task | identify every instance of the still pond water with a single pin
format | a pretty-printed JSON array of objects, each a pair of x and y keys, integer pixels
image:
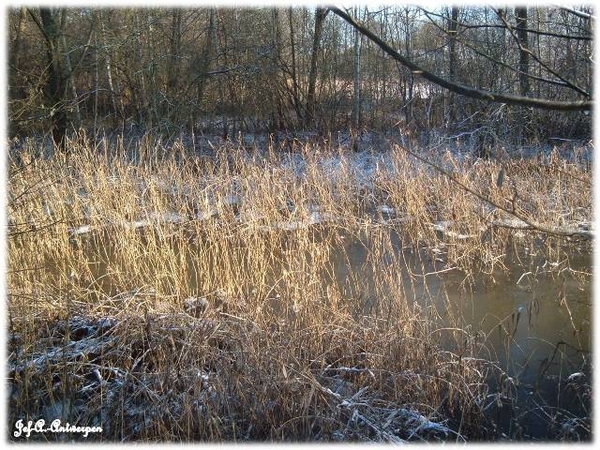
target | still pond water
[{"x": 535, "y": 321}]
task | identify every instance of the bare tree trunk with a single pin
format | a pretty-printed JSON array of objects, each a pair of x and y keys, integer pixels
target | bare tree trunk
[
  {"x": 16, "y": 44},
  {"x": 55, "y": 86},
  {"x": 521, "y": 16},
  {"x": 206, "y": 56},
  {"x": 295, "y": 87},
  {"x": 356, "y": 113},
  {"x": 144, "y": 107},
  {"x": 96, "y": 72},
  {"x": 216, "y": 51},
  {"x": 109, "y": 76},
  {"x": 277, "y": 118},
  {"x": 173, "y": 70},
  {"x": 452, "y": 31},
  {"x": 521, "y": 19},
  {"x": 76, "y": 120},
  {"x": 410, "y": 79},
  {"x": 152, "y": 86},
  {"x": 15, "y": 91},
  {"x": 320, "y": 15}
]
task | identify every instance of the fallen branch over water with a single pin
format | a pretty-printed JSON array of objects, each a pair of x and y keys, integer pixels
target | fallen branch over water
[{"x": 526, "y": 223}]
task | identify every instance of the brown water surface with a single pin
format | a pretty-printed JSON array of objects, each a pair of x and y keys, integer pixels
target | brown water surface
[{"x": 534, "y": 318}]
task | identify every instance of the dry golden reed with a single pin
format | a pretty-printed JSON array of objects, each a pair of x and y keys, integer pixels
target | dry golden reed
[{"x": 169, "y": 296}]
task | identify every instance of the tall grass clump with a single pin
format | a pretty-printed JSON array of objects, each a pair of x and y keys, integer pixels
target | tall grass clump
[{"x": 170, "y": 296}]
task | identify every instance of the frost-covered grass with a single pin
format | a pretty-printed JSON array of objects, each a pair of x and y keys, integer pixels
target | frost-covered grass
[{"x": 186, "y": 298}]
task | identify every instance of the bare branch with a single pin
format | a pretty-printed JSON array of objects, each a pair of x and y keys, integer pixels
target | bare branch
[
  {"x": 577, "y": 13},
  {"x": 466, "y": 25},
  {"x": 527, "y": 222},
  {"x": 581, "y": 105},
  {"x": 490, "y": 58},
  {"x": 541, "y": 63}
]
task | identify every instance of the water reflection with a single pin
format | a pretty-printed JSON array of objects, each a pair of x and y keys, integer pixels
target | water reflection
[
  {"x": 536, "y": 327},
  {"x": 534, "y": 323}
]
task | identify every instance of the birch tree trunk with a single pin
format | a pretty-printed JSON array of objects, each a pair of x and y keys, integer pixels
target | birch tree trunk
[
  {"x": 68, "y": 72},
  {"x": 453, "y": 60},
  {"x": 118, "y": 112},
  {"x": 356, "y": 111}
]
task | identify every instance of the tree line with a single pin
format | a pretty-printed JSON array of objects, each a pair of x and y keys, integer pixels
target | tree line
[{"x": 518, "y": 73}]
